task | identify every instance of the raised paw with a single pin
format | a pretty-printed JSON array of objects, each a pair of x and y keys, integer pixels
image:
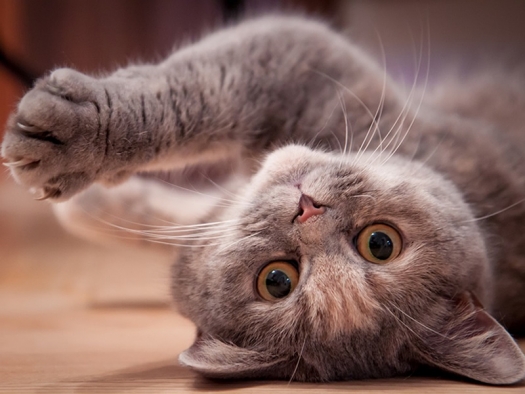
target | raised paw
[{"x": 55, "y": 142}]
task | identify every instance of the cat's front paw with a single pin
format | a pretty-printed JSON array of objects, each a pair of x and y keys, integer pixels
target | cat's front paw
[{"x": 55, "y": 143}]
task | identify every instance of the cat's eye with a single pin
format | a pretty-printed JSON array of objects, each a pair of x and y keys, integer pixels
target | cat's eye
[
  {"x": 277, "y": 280},
  {"x": 379, "y": 243}
]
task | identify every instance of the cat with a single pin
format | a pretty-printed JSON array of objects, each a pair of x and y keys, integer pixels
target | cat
[{"x": 358, "y": 231}]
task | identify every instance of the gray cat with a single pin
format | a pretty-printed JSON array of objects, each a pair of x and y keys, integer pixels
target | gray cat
[{"x": 367, "y": 224}]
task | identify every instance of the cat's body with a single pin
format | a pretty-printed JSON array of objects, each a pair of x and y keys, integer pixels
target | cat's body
[{"x": 433, "y": 177}]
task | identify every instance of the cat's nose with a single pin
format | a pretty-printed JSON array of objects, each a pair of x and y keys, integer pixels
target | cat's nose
[{"x": 308, "y": 208}]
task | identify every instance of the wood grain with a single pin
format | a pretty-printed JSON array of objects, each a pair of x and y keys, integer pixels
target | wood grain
[{"x": 82, "y": 318}]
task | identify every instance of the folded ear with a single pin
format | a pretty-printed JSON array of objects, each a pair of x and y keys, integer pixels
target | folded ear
[
  {"x": 472, "y": 343},
  {"x": 215, "y": 359}
]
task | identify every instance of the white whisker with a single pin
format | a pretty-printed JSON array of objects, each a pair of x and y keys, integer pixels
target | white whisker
[
  {"x": 298, "y": 360},
  {"x": 418, "y": 322},
  {"x": 425, "y": 85},
  {"x": 494, "y": 213}
]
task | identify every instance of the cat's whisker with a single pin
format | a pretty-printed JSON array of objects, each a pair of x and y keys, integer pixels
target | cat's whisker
[
  {"x": 411, "y": 160},
  {"x": 221, "y": 199},
  {"x": 404, "y": 110},
  {"x": 425, "y": 85},
  {"x": 187, "y": 237},
  {"x": 163, "y": 236},
  {"x": 314, "y": 138},
  {"x": 402, "y": 323},
  {"x": 379, "y": 111},
  {"x": 240, "y": 240},
  {"x": 399, "y": 122},
  {"x": 355, "y": 96},
  {"x": 115, "y": 231},
  {"x": 237, "y": 197},
  {"x": 172, "y": 227},
  {"x": 182, "y": 231},
  {"x": 422, "y": 163},
  {"x": 179, "y": 245},
  {"x": 395, "y": 129},
  {"x": 298, "y": 360},
  {"x": 417, "y": 321},
  {"x": 338, "y": 142},
  {"x": 343, "y": 109},
  {"x": 494, "y": 213},
  {"x": 198, "y": 230}
]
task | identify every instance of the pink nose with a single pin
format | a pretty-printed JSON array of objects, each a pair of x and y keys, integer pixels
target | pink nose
[{"x": 308, "y": 208}]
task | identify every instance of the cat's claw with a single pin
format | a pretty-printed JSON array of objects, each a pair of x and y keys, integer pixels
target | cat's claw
[
  {"x": 51, "y": 143},
  {"x": 19, "y": 163},
  {"x": 46, "y": 193},
  {"x": 27, "y": 128}
]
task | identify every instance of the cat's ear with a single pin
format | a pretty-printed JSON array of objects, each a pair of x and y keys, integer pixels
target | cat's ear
[
  {"x": 472, "y": 343},
  {"x": 215, "y": 359}
]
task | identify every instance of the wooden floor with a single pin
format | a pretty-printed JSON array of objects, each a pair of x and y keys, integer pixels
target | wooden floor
[{"x": 81, "y": 318}]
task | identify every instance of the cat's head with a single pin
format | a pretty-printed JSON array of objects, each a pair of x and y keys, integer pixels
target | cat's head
[{"x": 344, "y": 267}]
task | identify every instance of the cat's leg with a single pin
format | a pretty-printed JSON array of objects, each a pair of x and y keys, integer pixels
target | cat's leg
[{"x": 235, "y": 93}]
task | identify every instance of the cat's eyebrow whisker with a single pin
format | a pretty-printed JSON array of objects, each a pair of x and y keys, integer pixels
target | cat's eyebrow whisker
[
  {"x": 338, "y": 142},
  {"x": 343, "y": 109},
  {"x": 355, "y": 96},
  {"x": 395, "y": 128},
  {"x": 494, "y": 213},
  {"x": 400, "y": 120},
  {"x": 406, "y": 107},
  {"x": 422, "y": 163},
  {"x": 380, "y": 107},
  {"x": 311, "y": 141},
  {"x": 417, "y": 148},
  {"x": 425, "y": 85}
]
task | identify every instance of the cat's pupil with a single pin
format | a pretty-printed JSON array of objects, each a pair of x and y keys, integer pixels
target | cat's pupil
[
  {"x": 278, "y": 283},
  {"x": 380, "y": 245}
]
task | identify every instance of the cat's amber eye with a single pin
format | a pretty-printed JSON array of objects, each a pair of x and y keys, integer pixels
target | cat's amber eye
[
  {"x": 379, "y": 243},
  {"x": 277, "y": 280}
]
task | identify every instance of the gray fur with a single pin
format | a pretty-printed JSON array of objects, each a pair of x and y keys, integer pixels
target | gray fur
[{"x": 257, "y": 95}]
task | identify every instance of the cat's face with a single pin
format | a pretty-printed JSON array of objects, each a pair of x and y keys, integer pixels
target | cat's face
[{"x": 365, "y": 287}]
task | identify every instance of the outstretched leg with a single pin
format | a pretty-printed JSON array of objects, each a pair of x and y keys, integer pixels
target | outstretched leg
[{"x": 236, "y": 93}]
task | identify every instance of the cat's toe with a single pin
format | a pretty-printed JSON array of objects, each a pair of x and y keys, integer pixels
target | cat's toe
[
  {"x": 73, "y": 85},
  {"x": 51, "y": 143}
]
